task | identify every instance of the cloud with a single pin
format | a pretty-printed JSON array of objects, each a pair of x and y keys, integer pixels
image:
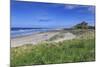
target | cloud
[
  {"x": 87, "y": 8},
  {"x": 44, "y": 20},
  {"x": 70, "y": 6},
  {"x": 91, "y": 9}
]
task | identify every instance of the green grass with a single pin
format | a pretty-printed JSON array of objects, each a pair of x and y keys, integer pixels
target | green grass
[{"x": 76, "y": 50}]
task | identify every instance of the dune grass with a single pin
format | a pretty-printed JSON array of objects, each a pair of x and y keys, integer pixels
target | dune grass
[
  {"x": 57, "y": 36},
  {"x": 76, "y": 50}
]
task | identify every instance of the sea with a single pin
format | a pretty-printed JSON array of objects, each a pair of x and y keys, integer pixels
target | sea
[{"x": 16, "y": 32}]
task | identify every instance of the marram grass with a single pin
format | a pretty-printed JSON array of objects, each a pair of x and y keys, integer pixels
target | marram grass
[{"x": 68, "y": 51}]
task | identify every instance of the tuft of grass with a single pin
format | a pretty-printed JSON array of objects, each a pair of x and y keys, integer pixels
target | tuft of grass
[{"x": 76, "y": 50}]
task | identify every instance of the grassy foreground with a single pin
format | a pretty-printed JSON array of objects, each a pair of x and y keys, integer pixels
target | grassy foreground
[{"x": 76, "y": 50}]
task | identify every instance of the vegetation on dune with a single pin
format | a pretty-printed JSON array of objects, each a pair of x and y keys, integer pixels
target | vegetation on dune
[
  {"x": 57, "y": 36},
  {"x": 76, "y": 50},
  {"x": 81, "y": 49}
]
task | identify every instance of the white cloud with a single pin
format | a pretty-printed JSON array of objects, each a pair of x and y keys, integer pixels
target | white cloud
[
  {"x": 70, "y": 7},
  {"x": 91, "y": 9},
  {"x": 88, "y": 8}
]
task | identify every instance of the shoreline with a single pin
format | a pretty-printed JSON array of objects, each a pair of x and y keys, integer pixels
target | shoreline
[
  {"x": 48, "y": 36},
  {"x": 32, "y": 38},
  {"x": 57, "y": 35},
  {"x": 27, "y": 34}
]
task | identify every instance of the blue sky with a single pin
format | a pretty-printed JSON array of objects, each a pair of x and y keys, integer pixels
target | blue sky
[{"x": 37, "y": 14}]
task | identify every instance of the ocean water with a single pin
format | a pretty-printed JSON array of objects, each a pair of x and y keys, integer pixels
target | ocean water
[{"x": 15, "y": 32}]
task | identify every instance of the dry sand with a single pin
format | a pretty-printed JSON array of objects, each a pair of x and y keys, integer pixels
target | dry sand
[
  {"x": 31, "y": 39},
  {"x": 37, "y": 38}
]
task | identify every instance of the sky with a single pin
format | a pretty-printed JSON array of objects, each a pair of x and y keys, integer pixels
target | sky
[{"x": 50, "y": 15}]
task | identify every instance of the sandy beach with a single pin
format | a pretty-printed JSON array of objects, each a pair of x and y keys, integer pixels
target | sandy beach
[{"x": 39, "y": 37}]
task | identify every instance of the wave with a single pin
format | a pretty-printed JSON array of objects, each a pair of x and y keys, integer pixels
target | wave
[{"x": 22, "y": 32}]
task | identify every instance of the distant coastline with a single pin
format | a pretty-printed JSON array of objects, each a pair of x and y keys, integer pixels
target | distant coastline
[{"x": 25, "y": 28}]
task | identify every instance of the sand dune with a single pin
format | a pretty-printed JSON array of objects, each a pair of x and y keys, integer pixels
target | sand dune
[{"x": 67, "y": 36}]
